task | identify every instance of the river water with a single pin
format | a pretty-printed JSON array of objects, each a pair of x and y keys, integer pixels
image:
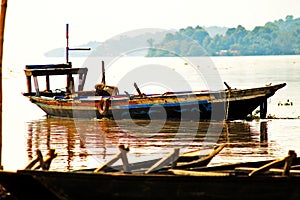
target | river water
[{"x": 85, "y": 143}]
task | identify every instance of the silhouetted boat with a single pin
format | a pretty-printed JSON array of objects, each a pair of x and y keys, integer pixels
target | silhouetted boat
[{"x": 272, "y": 179}]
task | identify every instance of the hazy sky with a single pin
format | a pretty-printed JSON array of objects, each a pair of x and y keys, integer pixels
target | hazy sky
[{"x": 39, "y": 25}]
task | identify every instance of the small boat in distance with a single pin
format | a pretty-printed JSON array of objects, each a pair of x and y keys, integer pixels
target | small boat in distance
[{"x": 105, "y": 101}]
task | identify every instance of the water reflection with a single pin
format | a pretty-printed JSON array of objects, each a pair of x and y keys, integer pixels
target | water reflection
[{"x": 88, "y": 143}]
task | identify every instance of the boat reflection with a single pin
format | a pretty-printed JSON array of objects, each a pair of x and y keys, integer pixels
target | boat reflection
[{"x": 88, "y": 143}]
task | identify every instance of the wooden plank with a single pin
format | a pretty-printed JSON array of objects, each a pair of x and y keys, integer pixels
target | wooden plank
[
  {"x": 55, "y": 71},
  {"x": 288, "y": 163},
  {"x": 121, "y": 155},
  {"x": 202, "y": 161},
  {"x": 197, "y": 173},
  {"x": 49, "y": 66},
  {"x": 126, "y": 167},
  {"x": 38, "y": 158},
  {"x": 275, "y": 171},
  {"x": 2, "y": 25},
  {"x": 109, "y": 163},
  {"x": 36, "y": 85},
  {"x": 45, "y": 163},
  {"x": 171, "y": 158},
  {"x": 270, "y": 165}
]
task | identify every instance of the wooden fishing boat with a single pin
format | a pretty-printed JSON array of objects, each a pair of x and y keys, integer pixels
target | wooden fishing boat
[
  {"x": 273, "y": 179},
  {"x": 21, "y": 186},
  {"x": 105, "y": 101}
]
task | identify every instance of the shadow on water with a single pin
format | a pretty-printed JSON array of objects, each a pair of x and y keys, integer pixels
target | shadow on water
[{"x": 88, "y": 143}]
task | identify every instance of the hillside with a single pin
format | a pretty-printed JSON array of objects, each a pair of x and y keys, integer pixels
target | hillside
[
  {"x": 128, "y": 42},
  {"x": 281, "y": 37},
  {"x": 133, "y": 43}
]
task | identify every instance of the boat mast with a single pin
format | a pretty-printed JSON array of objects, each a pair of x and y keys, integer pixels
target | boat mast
[
  {"x": 70, "y": 81},
  {"x": 2, "y": 23},
  {"x": 67, "y": 47},
  {"x": 71, "y": 49}
]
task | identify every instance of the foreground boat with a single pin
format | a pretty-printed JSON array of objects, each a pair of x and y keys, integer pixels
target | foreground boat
[
  {"x": 105, "y": 101},
  {"x": 22, "y": 186},
  {"x": 274, "y": 179}
]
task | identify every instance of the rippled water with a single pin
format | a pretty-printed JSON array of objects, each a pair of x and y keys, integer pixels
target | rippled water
[{"x": 89, "y": 143}]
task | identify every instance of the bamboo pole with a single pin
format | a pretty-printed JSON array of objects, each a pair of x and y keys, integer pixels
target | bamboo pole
[{"x": 2, "y": 23}]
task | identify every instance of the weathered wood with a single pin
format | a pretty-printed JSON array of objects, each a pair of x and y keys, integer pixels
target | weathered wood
[
  {"x": 67, "y": 40},
  {"x": 47, "y": 83},
  {"x": 187, "y": 185},
  {"x": 45, "y": 163},
  {"x": 171, "y": 158},
  {"x": 273, "y": 164},
  {"x": 2, "y": 25},
  {"x": 139, "y": 106},
  {"x": 48, "y": 160},
  {"x": 266, "y": 167},
  {"x": 120, "y": 155},
  {"x": 29, "y": 88},
  {"x": 67, "y": 46},
  {"x": 55, "y": 71},
  {"x": 38, "y": 158},
  {"x": 82, "y": 78},
  {"x": 202, "y": 161},
  {"x": 288, "y": 163},
  {"x": 264, "y": 109},
  {"x": 109, "y": 163},
  {"x": 48, "y": 66},
  {"x": 263, "y": 131},
  {"x": 228, "y": 87},
  {"x": 272, "y": 171},
  {"x": 137, "y": 89},
  {"x": 197, "y": 173},
  {"x": 103, "y": 73},
  {"x": 36, "y": 85},
  {"x": 126, "y": 167}
]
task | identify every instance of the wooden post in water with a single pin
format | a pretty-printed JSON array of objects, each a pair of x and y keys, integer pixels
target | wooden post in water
[
  {"x": 263, "y": 132},
  {"x": 2, "y": 23},
  {"x": 263, "y": 109}
]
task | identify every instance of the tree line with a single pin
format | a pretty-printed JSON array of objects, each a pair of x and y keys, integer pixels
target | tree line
[{"x": 281, "y": 37}]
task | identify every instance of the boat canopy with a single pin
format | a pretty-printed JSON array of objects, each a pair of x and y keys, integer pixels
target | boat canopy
[{"x": 54, "y": 70}]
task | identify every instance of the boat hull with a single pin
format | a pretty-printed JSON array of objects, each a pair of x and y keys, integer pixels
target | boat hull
[
  {"x": 66, "y": 185},
  {"x": 225, "y": 104}
]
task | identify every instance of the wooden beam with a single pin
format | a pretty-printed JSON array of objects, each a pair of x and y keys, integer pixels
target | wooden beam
[
  {"x": 36, "y": 85},
  {"x": 2, "y": 25},
  {"x": 121, "y": 155},
  {"x": 55, "y": 71},
  {"x": 47, "y": 83},
  {"x": 29, "y": 87},
  {"x": 287, "y": 160},
  {"x": 264, "y": 109},
  {"x": 171, "y": 158}
]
